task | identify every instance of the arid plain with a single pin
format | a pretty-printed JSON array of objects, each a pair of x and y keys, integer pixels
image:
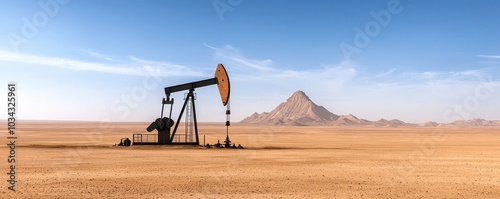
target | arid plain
[{"x": 78, "y": 160}]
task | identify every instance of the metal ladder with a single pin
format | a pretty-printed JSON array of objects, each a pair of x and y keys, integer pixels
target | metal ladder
[{"x": 189, "y": 125}]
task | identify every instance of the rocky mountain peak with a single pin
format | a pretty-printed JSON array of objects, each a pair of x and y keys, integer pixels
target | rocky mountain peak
[{"x": 298, "y": 109}]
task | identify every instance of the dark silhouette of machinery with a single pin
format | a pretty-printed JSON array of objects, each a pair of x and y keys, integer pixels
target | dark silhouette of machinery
[
  {"x": 190, "y": 137},
  {"x": 124, "y": 142}
]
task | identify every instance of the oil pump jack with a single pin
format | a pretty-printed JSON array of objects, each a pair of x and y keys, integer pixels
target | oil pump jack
[{"x": 164, "y": 124}]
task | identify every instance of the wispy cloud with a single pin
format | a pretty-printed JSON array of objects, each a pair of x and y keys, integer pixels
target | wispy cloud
[
  {"x": 429, "y": 75},
  {"x": 231, "y": 54},
  {"x": 251, "y": 68},
  {"x": 439, "y": 76},
  {"x": 490, "y": 59},
  {"x": 490, "y": 62},
  {"x": 490, "y": 56},
  {"x": 341, "y": 73},
  {"x": 134, "y": 66},
  {"x": 387, "y": 73},
  {"x": 96, "y": 54},
  {"x": 474, "y": 73}
]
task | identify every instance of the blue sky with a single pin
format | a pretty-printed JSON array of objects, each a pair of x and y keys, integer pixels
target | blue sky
[{"x": 109, "y": 60}]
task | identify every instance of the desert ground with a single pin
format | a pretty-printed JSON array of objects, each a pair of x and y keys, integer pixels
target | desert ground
[{"x": 78, "y": 160}]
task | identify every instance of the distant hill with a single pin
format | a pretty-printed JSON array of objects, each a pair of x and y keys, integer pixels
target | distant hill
[
  {"x": 297, "y": 110},
  {"x": 475, "y": 123},
  {"x": 300, "y": 110}
]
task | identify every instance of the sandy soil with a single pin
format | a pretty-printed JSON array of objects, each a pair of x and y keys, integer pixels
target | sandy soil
[{"x": 77, "y": 160}]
